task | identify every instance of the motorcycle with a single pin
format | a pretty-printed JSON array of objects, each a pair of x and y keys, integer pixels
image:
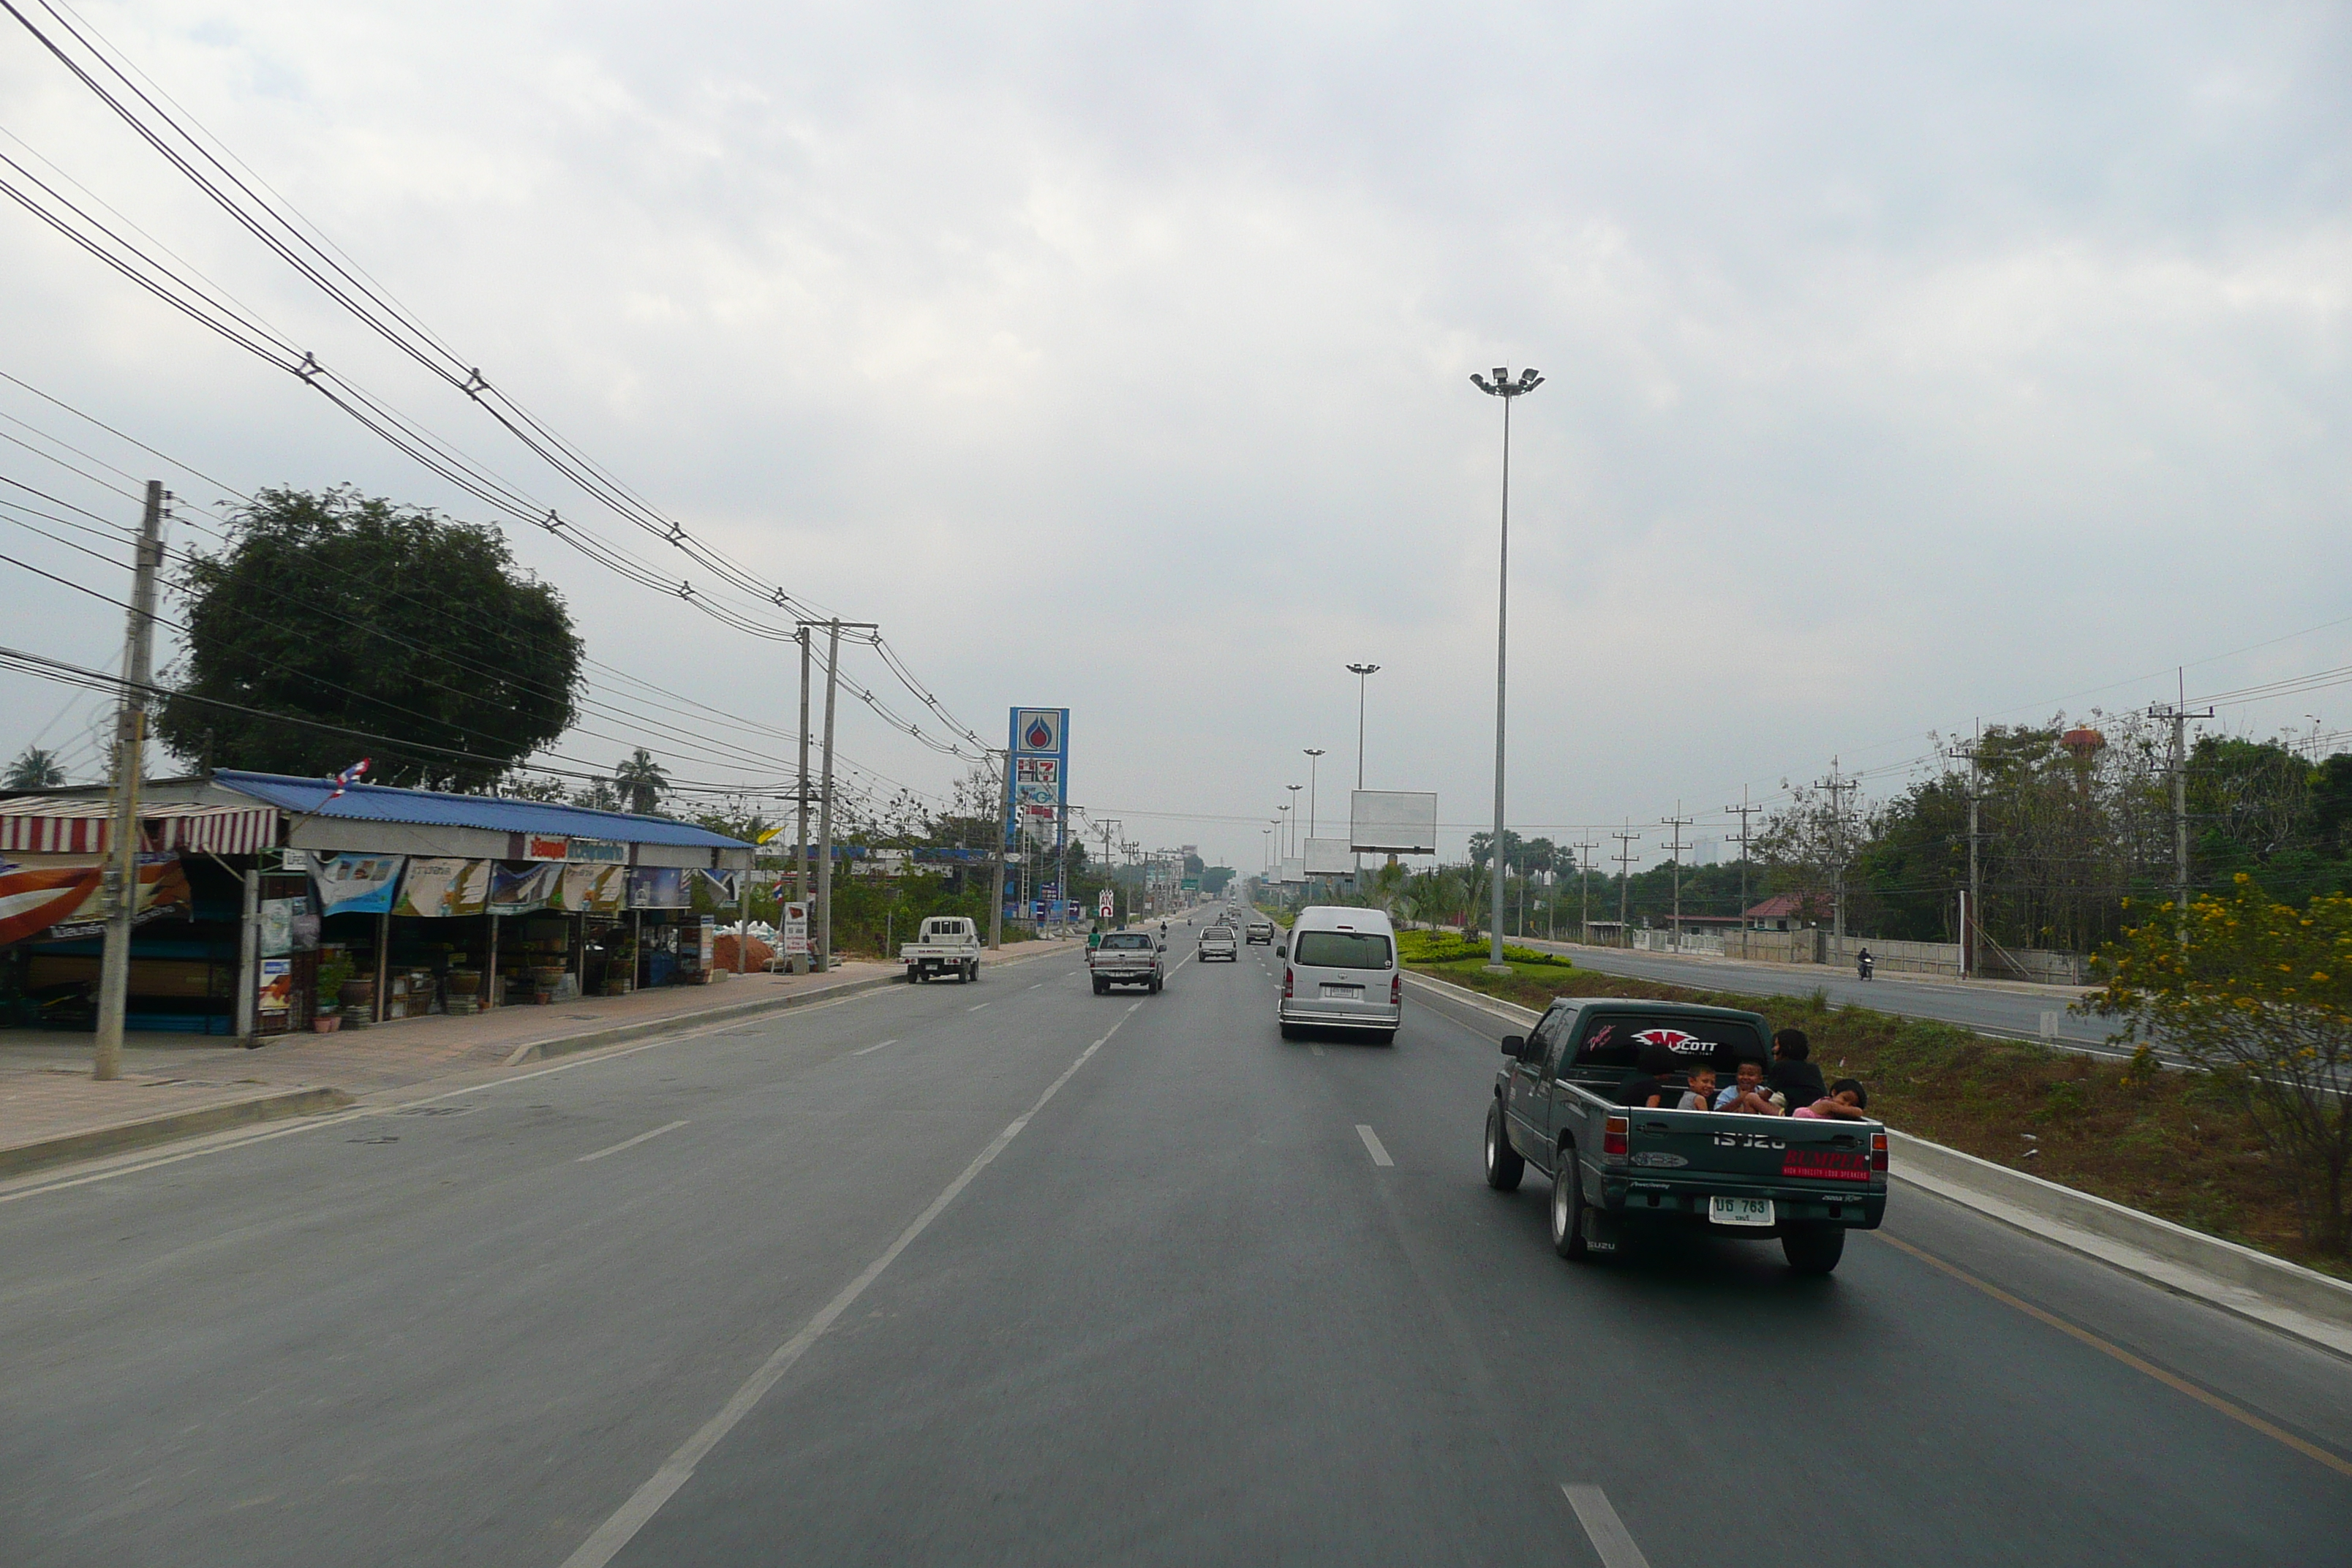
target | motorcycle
[{"x": 1864, "y": 965}]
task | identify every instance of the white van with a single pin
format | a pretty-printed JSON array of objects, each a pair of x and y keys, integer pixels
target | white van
[{"x": 1340, "y": 972}]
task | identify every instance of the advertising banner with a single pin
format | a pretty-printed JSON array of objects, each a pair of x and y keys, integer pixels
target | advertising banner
[
  {"x": 720, "y": 886},
  {"x": 795, "y": 929},
  {"x": 602, "y": 851},
  {"x": 592, "y": 890},
  {"x": 518, "y": 887},
  {"x": 546, "y": 846},
  {"x": 438, "y": 888},
  {"x": 35, "y": 899},
  {"x": 277, "y": 987},
  {"x": 1328, "y": 857},
  {"x": 658, "y": 887},
  {"x": 356, "y": 884}
]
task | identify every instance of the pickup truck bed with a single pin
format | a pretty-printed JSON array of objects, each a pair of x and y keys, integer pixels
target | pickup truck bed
[{"x": 1615, "y": 1170}]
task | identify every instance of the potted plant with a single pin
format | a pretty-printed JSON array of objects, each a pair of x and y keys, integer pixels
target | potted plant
[{"x": 334, "y": 970}]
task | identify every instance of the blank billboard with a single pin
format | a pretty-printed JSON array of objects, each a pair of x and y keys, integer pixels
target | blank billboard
[
  {"x": 1294, "y": 870},
  {"x": 1328, "y": 857},
  {"x": 1393, "y": 822}
]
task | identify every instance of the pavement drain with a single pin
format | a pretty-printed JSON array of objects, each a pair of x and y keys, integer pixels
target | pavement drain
[{"x": 433, "y": 1110}]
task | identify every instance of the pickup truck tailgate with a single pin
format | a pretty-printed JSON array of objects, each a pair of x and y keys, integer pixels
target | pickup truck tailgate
[{"x": 1770, "y": 1150}]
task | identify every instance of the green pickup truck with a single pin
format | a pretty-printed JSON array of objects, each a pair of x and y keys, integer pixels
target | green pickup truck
[{"x": 1614, "y": 1167}]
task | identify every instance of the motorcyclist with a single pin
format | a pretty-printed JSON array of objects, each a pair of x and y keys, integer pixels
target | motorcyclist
[{"x": 1864, "y": 963}]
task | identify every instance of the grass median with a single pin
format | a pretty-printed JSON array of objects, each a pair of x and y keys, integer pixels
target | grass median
[{"x": 2179, "y": 1144}]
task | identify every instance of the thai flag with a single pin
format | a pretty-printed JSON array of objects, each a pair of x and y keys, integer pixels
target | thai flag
[{"x": 348, "y": 777}]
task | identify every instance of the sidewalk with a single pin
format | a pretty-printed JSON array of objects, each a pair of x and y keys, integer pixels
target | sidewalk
[{"x": 184, "y": 1086}]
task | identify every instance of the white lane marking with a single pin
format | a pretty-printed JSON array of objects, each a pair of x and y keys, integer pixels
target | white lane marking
[
  {"x": 975, "y": 1007},
  {"x": 632, "y": 1516},
  {"x": 1315, "y": 1048},
  {"x": 863, "y": 1050},
  {"x": 1373, "y": 1142},
  {"x": 1610, "y": 1538},
  {"x": 630, "y": 1142}
]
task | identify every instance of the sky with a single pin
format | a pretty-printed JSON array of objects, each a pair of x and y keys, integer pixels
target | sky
[{"x": 1907, "y": 367}]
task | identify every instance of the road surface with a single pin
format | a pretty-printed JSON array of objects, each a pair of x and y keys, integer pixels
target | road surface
[{"x": 1016, "y": 1274}]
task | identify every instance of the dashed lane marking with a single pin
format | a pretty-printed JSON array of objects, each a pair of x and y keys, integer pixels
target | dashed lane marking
[
  {"x": 630, "y": 1142},
  {"x": 1373, "y": 1142},
  {"x": 1610, "y": 1538},
  {"x": 875, "y": 1047}
]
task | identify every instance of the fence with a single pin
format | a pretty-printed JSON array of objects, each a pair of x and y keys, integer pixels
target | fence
[
  {"x": 1646, "y": 940},
  {"x": 1994, "y": 963}
]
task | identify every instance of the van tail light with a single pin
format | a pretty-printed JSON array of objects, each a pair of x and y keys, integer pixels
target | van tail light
[
  {"x": 1286, "y": 982},
  {"x": 1878, "y": 1151},
  {"x": 1396, "y": 990},
  {"x": 1613, "y": 1137}
]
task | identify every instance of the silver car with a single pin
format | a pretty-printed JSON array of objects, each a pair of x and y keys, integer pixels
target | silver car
[{"x": 1217, "y": 943}]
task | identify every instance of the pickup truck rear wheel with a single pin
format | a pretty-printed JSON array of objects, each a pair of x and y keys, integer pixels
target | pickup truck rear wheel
[
  {"x": 1814, "y": 1248},
  {"x": 1101, "y": 987},
  {"x": 1505, "y": 1168},
  {"x": 1567, "y": 1209}
]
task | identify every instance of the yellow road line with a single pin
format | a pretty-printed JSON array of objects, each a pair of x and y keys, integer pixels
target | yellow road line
[{"x": 2336, "y": 1462}]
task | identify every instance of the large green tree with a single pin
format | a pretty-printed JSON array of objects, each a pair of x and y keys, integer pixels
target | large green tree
[{"x": 329, "y": 613}]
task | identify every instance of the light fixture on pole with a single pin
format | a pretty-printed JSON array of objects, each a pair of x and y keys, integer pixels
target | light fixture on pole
[
  {"x": 1360, "y": 671},
  {"x": 1314, "y": 762},
  {"x": 1504, "y": 387},
  {"x": 1294, "y": 790}
]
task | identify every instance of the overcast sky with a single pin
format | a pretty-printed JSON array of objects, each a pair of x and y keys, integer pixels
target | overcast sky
[{"x": 1907, "y": 365}]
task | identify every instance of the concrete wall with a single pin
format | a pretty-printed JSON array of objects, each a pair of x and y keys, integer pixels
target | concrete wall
[{"x": 1903, "y": 957}]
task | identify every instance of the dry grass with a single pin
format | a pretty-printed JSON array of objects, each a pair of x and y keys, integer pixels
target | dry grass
[{"x": 2171, "y": 1143}]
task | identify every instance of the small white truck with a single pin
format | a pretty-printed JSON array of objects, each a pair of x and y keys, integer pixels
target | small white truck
[{"x": 948, "y": 944}]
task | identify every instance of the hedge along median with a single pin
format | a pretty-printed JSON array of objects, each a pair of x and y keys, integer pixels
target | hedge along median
[{"x": 2178, "y": 1144}]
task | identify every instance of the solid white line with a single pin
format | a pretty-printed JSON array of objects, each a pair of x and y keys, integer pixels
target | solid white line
[
  {"x": 632, "y": 1516},
  {"x": 630, "y": 1142},
  {"x": 863, "y": 1050},
  {"x": 1373, "y": 1142},
  {"x": 1610, "y": 1538}
]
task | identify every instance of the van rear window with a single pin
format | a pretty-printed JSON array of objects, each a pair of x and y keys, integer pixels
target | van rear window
[
  {"x": 1340, "y": 950},
  {"x": 1616, "y": 1041}
]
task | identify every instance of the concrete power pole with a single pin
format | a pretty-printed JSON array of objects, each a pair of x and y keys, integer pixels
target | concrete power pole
[
  {"x": 825, "y": 805},
  {"x": 1744, "y": 811},
  {"x": 1584, "y": 848},
  {"x": 1972, "y": 916},
  {"x": 801, "y": 840},
  {"x": 996, "y": 853},
  {"x": 1625, "y": 842},
  {"x": 1677, "y": 822},
  {"x": 121, "y": 881},
  {"x": 1839, "y": 789},
  {"x": 2179, "y": 714}
]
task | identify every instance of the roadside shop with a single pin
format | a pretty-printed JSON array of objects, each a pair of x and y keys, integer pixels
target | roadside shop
[{"x": 272, "y": 904}]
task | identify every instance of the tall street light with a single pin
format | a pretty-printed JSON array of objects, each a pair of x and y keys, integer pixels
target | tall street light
[
  {"x": 1504, "y": 387},
  {"x": 1293, "y": 809},
  {"x": 1314, "y": 761},
  {"x": 1359, "y": 671},
  {"x": 1281, "y": 834}
]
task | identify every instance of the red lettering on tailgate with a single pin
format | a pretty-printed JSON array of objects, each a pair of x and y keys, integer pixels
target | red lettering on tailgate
[{"x": 1826, "y": 1165}]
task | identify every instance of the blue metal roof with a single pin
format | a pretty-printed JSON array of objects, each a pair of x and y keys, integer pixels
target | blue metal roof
[{"x": 381, "y": 803}]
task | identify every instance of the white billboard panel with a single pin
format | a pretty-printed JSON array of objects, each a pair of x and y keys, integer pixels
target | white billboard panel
[
  {"x": 1328, "y": 857},
  {"x": 1395, "y": 822},
  {"x": 1294, "y": 870}
]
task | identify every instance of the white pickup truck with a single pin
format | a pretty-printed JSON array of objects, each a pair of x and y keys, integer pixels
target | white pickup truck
[{"x": 948, "y": 944}]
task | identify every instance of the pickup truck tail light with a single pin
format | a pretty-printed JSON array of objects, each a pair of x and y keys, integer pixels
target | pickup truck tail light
[
  {"x": 1286, "y": 982},
  {"x": 1878, "y": 1151},
  {"x": 1613, "y": 1137},
  {"x": 1396, "y": 989}
]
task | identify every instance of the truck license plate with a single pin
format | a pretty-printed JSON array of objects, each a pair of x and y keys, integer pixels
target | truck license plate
[
  {"x": 1344, "y": 993},
  {"x": 1740, "y": 1211}
]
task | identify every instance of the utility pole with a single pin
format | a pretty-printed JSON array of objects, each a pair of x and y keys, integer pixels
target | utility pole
[
  {"x": 121, "y": 876},
  {"x": 1745, "y": 811},
  {"x": 1584, "y": 849},
  {"x": 1972, "y": 916},
  {"x": 2179, "y": 714},
  {"x": 1838, "y": 788},
  {"x": 800, "y": 834},
  {"x": 833, "y": 629},
  {"x": 1677, "y": 822},
  {"x": 996, "y": 852},
  {"x": 1625, "y": 842}
]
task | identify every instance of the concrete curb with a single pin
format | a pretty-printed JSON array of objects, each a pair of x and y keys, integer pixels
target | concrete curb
[
  {"x": 66, "y": 1148},
  {"x": 615, "y": 1034},
  {"x": 2238, "y": 1279}
]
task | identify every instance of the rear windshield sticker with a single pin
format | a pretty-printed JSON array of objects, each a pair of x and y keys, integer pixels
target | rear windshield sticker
[{"x": 1674, "y": 1040}]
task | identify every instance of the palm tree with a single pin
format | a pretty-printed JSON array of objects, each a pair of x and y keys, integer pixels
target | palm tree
[
  {"x": 35, "y": 769},
  {"x": 641, "y": 782}
]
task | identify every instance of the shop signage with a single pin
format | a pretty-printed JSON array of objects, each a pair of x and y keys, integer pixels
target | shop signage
[
  {"x": 545, "y": 847},
  {"x": 593, "y": 889},
  {"x": 602, "y": 851},
  {"x": 658, "y": 887},
  {"x": 519, "y": 889},
  {"x": 277, "y": 985},
  {"x": 356, "y": 884},
  {"x": 438, "y": 887},
  {"x": 795, "y": 931}
]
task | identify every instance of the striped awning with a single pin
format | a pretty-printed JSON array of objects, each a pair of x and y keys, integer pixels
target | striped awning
[{"x": 35, "y": 826}]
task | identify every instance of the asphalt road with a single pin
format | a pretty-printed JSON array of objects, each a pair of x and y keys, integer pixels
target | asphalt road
[
  {"x": 1074, "y": 1279},
  {"x": 1991, "y": 1008}
]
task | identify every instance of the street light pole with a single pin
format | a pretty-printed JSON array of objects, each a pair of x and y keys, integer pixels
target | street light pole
[
  {"x": 1504, "y": 387},
  {"x": 1360, "y": 671}
]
